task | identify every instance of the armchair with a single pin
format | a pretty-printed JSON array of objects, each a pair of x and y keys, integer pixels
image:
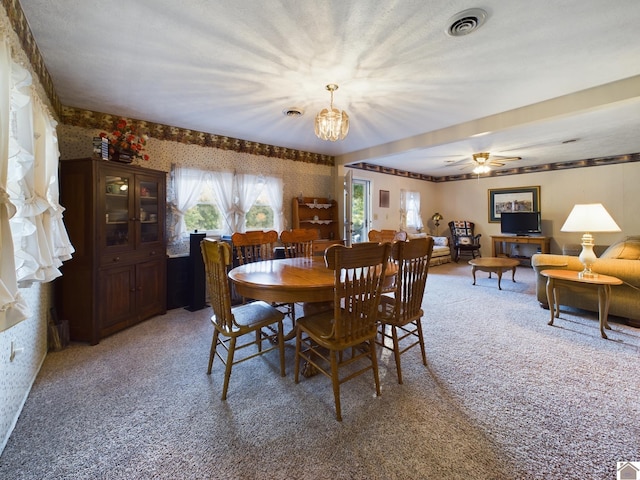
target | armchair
[{"x": 463, "y": 239}]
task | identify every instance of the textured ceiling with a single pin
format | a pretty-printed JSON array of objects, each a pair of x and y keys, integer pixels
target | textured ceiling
[{"x": 419, "y": 100}]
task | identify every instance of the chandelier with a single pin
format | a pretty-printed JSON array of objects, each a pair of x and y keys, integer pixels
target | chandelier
[
  {"x": 332, "y": 124},
  {"x": 481, "y": 163}
]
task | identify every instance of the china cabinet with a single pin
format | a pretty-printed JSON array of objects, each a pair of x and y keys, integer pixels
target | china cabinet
[
  {"x": 115, "y": 216},
  {"x": 317, "y": 213}
]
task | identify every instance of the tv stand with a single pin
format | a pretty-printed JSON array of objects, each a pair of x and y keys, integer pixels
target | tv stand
[{"x": 500, "y": 242}]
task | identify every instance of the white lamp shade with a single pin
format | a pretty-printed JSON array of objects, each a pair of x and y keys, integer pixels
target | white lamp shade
[{"x": 591, "y": 217}]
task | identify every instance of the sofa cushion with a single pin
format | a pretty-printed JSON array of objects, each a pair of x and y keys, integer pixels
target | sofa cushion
[
  {"x": 413, "y": 236},
  {"x": 627, "y": 250}
]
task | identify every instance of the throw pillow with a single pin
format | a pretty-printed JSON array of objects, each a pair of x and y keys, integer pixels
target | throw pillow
[
  {"x": 441, "y": 241},
  {"x": 465, "y": 241},
  {"x": 627, "y": 250}
]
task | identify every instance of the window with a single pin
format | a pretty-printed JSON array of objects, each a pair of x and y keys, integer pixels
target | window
[
  {"x": 410, "y": 210},
  {"x": 204, "y": 216},
  {"x": 260, "y": 215},
  {"x": 224, "y": 202}
]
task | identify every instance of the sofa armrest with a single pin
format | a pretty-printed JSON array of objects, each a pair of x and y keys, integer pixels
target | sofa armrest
[{"x": 545, "y": 261}]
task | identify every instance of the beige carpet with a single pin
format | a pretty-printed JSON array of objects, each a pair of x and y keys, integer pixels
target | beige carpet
[{"x": 504, "y": 396}]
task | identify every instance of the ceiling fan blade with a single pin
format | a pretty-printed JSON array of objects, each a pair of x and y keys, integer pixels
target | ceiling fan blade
[
  {"x": 453, "y": 163},
  {"x": 499, "y": 161}
]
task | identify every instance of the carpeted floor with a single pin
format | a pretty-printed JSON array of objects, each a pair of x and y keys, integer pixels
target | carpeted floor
[{"x": 504, "y": 396}]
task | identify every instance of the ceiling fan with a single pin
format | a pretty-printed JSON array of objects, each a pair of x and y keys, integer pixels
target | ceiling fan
[{"x": 482, "y": 162}]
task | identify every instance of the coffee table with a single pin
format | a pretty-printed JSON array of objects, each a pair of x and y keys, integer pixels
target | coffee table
[
  {"x": 601, "y": 282},
  {"x": 495, "y": 265}
]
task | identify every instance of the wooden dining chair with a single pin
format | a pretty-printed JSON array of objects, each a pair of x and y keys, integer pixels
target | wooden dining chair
[
  {"x": 390, "y": 236},
  {"x": 254, "y": 246},
  {"x": 232, "y": 323},
  {"x": 345, "y": 335},
  {"x": 401, "y": 312},
  {"x": 299, "y": 242},
  {"x": 387, "y": 236}
]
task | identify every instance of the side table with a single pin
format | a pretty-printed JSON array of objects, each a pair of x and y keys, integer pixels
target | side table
[{"x": 602, "y": 282}]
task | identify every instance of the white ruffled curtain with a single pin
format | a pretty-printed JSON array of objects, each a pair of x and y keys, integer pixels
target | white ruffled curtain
[
  {"x": 13, "y": 308},
  {"x": 33, "y": 251},
  {"x": 274, "y": 188},
  {"x": 410, "y": 217},
  {"x": 48, "y": 153},
  {"x": 248, "y": 189},
  {"x": 222, "y": 184},
  {"x": 188, "y": 184},
  {"x": 34, "y": 241}
]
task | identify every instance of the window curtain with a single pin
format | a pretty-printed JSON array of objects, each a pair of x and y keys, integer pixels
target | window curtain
[
  {"x": 410, "y": 217},
  {"x": 34, "y": 260},
  {"x": 222, "y": 184},
  {"x": 13, "y": 307},
  {"x": 188, "y": 185},
  {"x": 248, "y": 189},
  {"x": 48, "y": 153},
  {"x": 274, "y": 188},
  {"x": 413, "y": 211},
  {"x": 403, "y": 210}
]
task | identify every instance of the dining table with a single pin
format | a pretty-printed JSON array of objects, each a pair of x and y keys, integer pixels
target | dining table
[
  {"x": 286, "y": 280},
  {"x": 292, "y": 280}
]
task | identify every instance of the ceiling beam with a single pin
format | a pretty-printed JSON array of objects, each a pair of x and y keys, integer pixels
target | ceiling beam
[{"x": 563, "y": 106}]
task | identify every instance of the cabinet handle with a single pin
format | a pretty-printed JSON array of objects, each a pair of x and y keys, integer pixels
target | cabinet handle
[{"x": 116, "y": 259}]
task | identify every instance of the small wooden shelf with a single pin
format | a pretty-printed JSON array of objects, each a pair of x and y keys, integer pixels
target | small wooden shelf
[{"x": 317, "y": 213}]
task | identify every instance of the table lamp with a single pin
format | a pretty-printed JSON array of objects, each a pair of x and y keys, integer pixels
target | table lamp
[
  {"x": 436, "y": 217},
  {"x": 592, "y": 217}
]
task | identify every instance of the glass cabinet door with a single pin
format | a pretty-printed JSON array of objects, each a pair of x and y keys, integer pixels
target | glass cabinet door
[
  {"x": 117, "y": 218},
  {"x": 149, "y": 191}
]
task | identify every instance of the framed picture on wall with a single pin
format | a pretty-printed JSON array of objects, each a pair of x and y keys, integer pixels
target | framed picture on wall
[
  {"x": 384, "y": 198},
  {"x": 521, "y": 199}
]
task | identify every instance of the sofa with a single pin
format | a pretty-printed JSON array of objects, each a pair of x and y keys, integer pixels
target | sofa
[
  {"x": 621, "y": 260},
  {"x": 441, "y": 248}
]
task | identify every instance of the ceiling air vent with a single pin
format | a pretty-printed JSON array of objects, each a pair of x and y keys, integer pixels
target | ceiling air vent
[
  {"x": 466, "y": 22},
  {"x": 293, "y": 112}
]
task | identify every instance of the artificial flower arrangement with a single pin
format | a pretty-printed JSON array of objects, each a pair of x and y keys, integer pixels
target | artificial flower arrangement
[{"x": 126, "y": 141}]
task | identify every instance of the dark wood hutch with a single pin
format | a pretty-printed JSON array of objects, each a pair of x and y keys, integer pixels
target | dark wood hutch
[{"x": 115, "y": 217}]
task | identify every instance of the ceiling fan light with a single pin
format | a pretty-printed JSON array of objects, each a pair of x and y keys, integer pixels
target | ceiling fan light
[
  {"x": 480, "y": 169},
  {"x": 331, "y": 123}
]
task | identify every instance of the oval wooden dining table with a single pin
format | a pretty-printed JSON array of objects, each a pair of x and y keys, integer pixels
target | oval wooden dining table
[{"x": 287, "y": 280}]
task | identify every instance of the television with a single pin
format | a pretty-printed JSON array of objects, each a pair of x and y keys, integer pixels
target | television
[{"x": 520, "y": 223}]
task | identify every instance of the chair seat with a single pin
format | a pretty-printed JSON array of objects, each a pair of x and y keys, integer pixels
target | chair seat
[
  {"x": 253, "y": 315},
  {"x": 320, "y": 326}
]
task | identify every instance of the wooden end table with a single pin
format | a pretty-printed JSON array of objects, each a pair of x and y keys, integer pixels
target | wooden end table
[
  {"x": 494, "y": 265},
  {"x": 602, "y": 282}
]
